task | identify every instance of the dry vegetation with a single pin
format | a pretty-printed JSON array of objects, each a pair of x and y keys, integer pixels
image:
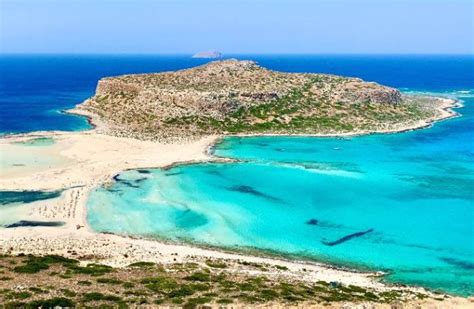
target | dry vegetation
[{"x": 48, "y": 281}]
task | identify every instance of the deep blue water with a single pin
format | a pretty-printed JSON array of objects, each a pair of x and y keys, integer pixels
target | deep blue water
[
  {"x": 34, "y": 89},
  {"x": 402, "y": 203}
]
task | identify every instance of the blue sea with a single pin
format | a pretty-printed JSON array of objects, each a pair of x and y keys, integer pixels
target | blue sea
[{"x": 402, "y": 203}]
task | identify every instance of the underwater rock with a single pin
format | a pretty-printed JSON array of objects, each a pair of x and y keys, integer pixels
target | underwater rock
[
  {"x": 346, "y": 238},
  {"x": 27, "y": 223},
  {"x": 459, "y": 263},
  {"x": 249, "y": 190},
  {"x": 13, "y": 197},
  {"x": 173, "y": 174},
  {"x": 144, "y": 171}
]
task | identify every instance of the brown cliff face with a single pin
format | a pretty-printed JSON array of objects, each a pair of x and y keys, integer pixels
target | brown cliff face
[{"x": 239, "y": 96}]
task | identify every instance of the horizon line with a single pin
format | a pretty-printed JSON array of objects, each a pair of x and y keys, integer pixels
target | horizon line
[{"x": 224, "y": 55}]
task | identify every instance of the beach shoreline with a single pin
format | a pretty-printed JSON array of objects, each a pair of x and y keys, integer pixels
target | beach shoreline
[{"x": 95, "y": 158}]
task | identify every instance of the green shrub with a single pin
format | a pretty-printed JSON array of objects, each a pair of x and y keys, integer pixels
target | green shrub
[
  {"x": 198, "y": 276},
  {"x": 96, "y": 296},
  {"x": 31, "y": 268},
  {"x": 142, "y": 264},
  {"x": 159, "y": 284},
  {"x": 183, "y": 291},
  {"x": 36, "y": 290},
  {"x": 19, "y": 295},
  {"x": 92, "y": 269},
  {"x": 35, "y": 264},
  {"x": 128, "y": 285},
  {"x": 225, "y": 301},
  {"x": 268, "y": 294},
  {"x": 109, "y": 281},
  {"x": 193, "y": 302},
  {"x": 51, "y": 303},
  {"x": 84, "y": 282},
  {"x": 68, "y": 293},
  {"x": 93, "y": 296}
]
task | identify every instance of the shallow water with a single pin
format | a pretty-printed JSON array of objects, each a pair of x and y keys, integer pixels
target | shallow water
[
  {"x": 24, "y": 197},
  {"x": 38, "y": 141},
  {"x": 30, "y": 156},
  {"x": 16, "y": 206},
  {"x": 402, "y": 203}
]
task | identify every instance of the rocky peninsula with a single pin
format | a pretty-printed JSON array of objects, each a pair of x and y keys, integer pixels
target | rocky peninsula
[{"x": 240, "y": 97}]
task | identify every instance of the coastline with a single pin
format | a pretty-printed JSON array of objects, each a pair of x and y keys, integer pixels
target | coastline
[{"x": 112, "y": 155}]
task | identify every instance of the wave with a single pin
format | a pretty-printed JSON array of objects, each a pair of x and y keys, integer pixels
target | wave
[{"x": 452, "y": 94}]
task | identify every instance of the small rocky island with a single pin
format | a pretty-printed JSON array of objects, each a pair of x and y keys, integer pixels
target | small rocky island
[
  {"x": 208, "y": 55},
  {"x": 240, "y": 97}
]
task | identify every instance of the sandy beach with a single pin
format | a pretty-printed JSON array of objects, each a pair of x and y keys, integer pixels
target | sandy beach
[{"x": 85, "y": 160}]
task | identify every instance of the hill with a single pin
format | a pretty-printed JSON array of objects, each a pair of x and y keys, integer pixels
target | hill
[{"x": 240, "y": 97}]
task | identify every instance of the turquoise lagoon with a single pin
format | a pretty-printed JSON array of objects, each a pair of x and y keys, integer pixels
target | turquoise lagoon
[{"x": 401, "y": 203}]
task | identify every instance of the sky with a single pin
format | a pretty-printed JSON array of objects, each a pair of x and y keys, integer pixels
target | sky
[{"x": 237, "y": 27}]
